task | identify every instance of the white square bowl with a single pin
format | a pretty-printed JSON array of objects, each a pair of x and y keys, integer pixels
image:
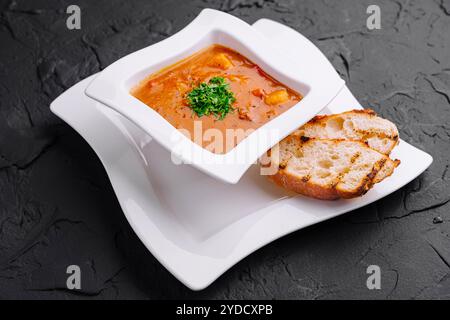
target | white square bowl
[{"x": 316, "y": 80}]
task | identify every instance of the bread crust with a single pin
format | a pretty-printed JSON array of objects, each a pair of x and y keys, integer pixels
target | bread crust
[
  {"x": 288, "y": 181},
  {"x": 318, "y": 118}
]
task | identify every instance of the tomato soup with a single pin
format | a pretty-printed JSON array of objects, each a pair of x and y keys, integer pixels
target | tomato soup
[{"x": 217, "y": 90}]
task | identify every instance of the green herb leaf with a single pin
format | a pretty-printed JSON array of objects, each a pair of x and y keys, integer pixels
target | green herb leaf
[{"x": 213, "y": 97}]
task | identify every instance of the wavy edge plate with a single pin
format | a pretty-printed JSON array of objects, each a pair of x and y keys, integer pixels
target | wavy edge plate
[{"x": 127, "y": 174}]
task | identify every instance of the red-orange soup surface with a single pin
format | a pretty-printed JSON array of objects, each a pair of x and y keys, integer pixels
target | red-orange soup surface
[{"x": 259, "y": 97}]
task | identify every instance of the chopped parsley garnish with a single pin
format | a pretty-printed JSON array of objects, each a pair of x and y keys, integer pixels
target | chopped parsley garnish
[{"x": 212, "y": 98}]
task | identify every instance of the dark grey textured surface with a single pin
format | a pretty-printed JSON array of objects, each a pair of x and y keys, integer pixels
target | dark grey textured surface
[{"x": 57, "y": 207}]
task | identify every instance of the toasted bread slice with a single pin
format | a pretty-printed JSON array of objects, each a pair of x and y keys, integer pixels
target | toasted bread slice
[
  {"x": 328, "y": 168},
  {"x": 363, "y": 125}
]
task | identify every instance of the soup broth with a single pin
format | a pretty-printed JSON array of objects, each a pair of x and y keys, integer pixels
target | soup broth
[{"x": 257, "y": 97}]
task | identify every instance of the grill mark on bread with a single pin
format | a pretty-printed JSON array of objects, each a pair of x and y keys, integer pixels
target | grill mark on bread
[
  {"x": 354, "y": 157},
  {"x": 336, "y": 181},
  {"x": 317, "y": 118},
  {"x": 306, "y": 178},
  {"x": 366, "y": 111},
  {"x": 366, "y": 135},
  {"x": 304, "y": 138},
  {"x": 368, "y": 180}
]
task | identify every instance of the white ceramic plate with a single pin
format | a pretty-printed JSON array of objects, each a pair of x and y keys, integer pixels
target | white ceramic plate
[
  {"x": 318, "y": 83},
  {"x": 195, "y": 240}
]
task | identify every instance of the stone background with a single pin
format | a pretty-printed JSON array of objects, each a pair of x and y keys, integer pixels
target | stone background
[{"x": 57, "y": 206}]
